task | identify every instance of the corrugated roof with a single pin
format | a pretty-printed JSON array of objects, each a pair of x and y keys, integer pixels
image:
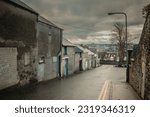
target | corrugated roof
[
  {"x": 23, "y": 5},
  {"x": 67, "y": 43}
]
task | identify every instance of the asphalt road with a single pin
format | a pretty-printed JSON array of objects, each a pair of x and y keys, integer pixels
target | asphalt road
[{"x": 84, "y": 86}]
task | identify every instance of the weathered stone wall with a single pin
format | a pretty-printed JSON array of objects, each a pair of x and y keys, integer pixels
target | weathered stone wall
[
  {"x": 49, "y": 39},
  {"x": 18, "y": 29},
  {"x": 17, "y": 24},
  {"x": 147, "y": 57},
  {"x": 70, "y": 56},
  {"x": 77, "y": 60},
  {"x": 56, "y": 41},
  {"x": 8, "y": 67},
  {"x": 140, "y": 67},
  {"x": 71, "y": 60},
  {"x": 85, "y": 60},
  {"x": 49, "y": 46}
]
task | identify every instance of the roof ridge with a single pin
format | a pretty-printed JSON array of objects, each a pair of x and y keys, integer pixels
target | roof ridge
[{"x": 23, "y": 5}]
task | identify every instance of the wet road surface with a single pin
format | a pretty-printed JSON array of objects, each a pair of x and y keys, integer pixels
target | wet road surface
[{"x": 84, "y": 86}]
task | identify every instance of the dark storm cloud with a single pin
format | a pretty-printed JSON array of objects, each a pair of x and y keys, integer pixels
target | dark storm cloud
[{"x": 81, "y": 17}]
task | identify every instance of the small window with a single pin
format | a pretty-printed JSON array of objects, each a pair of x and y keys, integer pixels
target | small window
[
  {"x": 27, "y": 58},
  {"x": 65, "y": 50},
  {"x": 54, "y": 59},
  {"x": 42, "y": 60}
]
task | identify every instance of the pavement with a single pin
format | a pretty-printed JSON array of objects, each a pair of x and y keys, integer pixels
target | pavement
[{"x": 117, "y": 91}]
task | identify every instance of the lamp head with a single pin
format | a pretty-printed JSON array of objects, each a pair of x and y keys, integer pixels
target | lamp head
[{"x": 110, "y": 13}]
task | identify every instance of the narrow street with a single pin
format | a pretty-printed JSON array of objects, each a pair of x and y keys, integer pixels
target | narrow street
[{"x": 84, "y": 86}]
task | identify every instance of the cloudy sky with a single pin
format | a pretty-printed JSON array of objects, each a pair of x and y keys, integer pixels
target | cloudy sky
[{"x": 86, "y": 21}]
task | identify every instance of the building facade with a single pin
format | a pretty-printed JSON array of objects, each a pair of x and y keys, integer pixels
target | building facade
[
  {"x": 17, "y": 41},
  {"x": 68, "y": 58},
  {"x": 30, "y": 46},
  {"x": 78, "y": 59},
  {"x": 49, "y": 38}
]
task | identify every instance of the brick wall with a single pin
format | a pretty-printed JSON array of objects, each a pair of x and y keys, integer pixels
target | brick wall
[{"x": 8, "y": 67}]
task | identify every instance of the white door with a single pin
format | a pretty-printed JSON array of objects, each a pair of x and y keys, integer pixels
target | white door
[{"x": 41, "y": 72}]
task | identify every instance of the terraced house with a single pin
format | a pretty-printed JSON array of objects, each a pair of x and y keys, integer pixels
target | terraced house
[
  {"x": 68, "y": 58},
  {"x": 49, "y": 38},
  {"x": 29, "y": 45}
]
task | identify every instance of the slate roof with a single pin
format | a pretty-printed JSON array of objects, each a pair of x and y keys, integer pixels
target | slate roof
[
  {"x": 43, "y": 20},
  {"x": 89, "y": 52},
  {"x": 28, "y": 8},
  {"x": 68, "y": 43},
  {"x": 79, "y": 49},
  {"x": 84, "y": 50},
  {"x": 23, "y": 5}
]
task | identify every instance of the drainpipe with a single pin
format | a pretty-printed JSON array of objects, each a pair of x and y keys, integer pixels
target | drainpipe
[
  {"x": 60, "y": 61},
  {"x": 128, "y": 65}
]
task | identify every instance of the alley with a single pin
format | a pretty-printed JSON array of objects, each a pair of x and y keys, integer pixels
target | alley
[{"x": 84, "y": 86}]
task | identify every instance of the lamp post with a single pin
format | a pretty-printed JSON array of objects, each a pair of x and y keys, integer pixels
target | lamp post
[{"x": 126, "y": 37}]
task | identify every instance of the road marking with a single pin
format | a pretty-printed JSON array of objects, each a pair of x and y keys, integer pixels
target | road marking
[{"x": 104, "y": 95}]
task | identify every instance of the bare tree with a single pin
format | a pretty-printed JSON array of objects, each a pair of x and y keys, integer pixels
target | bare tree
[{"x": 119, "y": 38}]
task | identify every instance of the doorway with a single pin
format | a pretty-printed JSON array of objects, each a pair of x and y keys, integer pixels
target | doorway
[{"x": 66, "y": 67}]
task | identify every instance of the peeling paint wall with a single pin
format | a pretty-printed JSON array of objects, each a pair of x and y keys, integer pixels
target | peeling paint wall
[
  {"x": 71, "y": 60},
  {"x": 49, "y": 47},
  {"x": 77, "y": 62},
  {"x": 18, "y": 29},
  {"x": 8, "y": 67},
  {"x": 85, "y": 59}
]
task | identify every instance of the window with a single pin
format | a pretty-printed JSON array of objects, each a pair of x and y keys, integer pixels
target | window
[
  {"x": 42, "y": 60},
  {"x": 54, "y": 59},
  {"x": 65, "y": 50},
  {"x": 27, "y": 58}
]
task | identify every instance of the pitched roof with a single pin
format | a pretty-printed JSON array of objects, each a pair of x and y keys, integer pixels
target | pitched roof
[
  {"x": 28, "y": 8},
  {"x": 89, "y": 52},
  {"x": 79, "y": 49},
  {"x": 43, "y": 20},
  {"x": 67, "y": 43},
  {"x": 85, "y": 50},
  {"x": 23, "y": 5}
]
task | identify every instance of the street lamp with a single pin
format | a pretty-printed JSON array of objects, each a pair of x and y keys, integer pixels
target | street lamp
[{"x": 126, "y": 37}]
